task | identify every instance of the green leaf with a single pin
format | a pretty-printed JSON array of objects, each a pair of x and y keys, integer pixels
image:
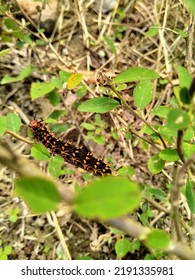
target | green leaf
[
  {"x": 39, "y": 152},
  {"x": 135, "y": 246},
  {"x": 55, "y": 165},
  {"x": 121, "y": 87},
  {"x": 56, "y": 114},
  {"x": 111, "y": 45},
  {"x": 62, "y": 127},
  {"x": 88, "y": 126},
  {"x": 13, "y": 122},
  {"x": 157, "y": 239},
  {"x": 126, "y": 171},
  {"x": 4, "y": 52},
  {"x": 155, "y": 192},
  {"x": 142, "y": 94},
  {"x": 155, "y": 164},
  {"x": 3, "y": 125},
  {"x": 81, "y": 91},
  {"x": 116, "y": 231},
  {"x": 189, "y": 134},
  {"x": 122, "y": 247},
  {"x": 74, "y": 80},
  {"x": 107, "y": 198},
  {"x": 98, "y": 105},
  {"x": 161, "y": 111},
  {"x": 152, "y": 31},
  {"x": 24, "y": 73},
  {"x": 99, "y": 139},
  {"x": 190, "y": 195},
  {"x": 166, "y": 131},
  {"x": 57, "y": 83},
  {"x": 85, "y": 258},
  {"x": 169, "y": 154},
  {"x": 191, "y": 5},
  {"x": 64, "y": 75},
  {"x": 177, "y": 119},
  {"x": 3, "y": 257},
  {"x": 181, "y": 33},
  {"x": 188, "y": 149},
  {"x": 185, "y": 79},
  {"x": 7, "y": 250},
  {"x": 39, "y": 193},
  {"x": 40, "y": 89},
  {"x": 185, "y": 96},
  {"x": 135, "y": 74},
  {"x": 54, "y": 97}
]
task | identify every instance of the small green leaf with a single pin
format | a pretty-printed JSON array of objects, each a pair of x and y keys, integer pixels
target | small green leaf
[
  {"x": 39, "y": 193},
  {"x": 64, "y": 75},
  {"x": 177, "y": 119},
  {"x": 121, "y": 87},
  {"x": 85, "y": 258},
  {"x": 155, "y": 192},
  {"x": 56, "y": 114},
  {"x": 135, "y": 74},
  {"x": 55, "y": 165},
  {"x": 181, "y": 33},
  {"x": 155, "y": 164},
  {"x": 7, "y": 250},
  {"x": 4, "y": 52},
  {"x": 142, "y": 94},
  {"x": 39, "y": 152},
  {"x": 74, "y": 80},
  {"x": 40, "y": 89},
  {"x": 191, "y": 5},
  {"x": 111, "y": 45},
  {"x": 185, "y": 79},
  {"x": 122, "y": 247},
  {"x": 188, "y": 149},
  {"x": 99, "y": 139},
  {"x": 185, "y": 96},
  {"x": 3, "y": 125},
  {"x": 189, "y": 134},
  {"x": 169, "y": 154},
  {"x": 161, "y": 111},
  {"x": 116, "y": 231},
  {"x": 157, "y": 239},
  {"x": 24, "y": 73},
  {"x": 13, "y": 122},
  {"x": 152, "y": 31},
  {"x": 3, "y": 257},
  {"x": 98, "y": 105},
  {"x": 126, "y": 171},
  {"x": 190, "y": 195},
  {"x": 107, "y": 198},
  {"x": 88, "y": 126},
  {"x": 62, "y": 127},
  {"x": 54, "y": 97},
  {"x": 57, "y": 83}
]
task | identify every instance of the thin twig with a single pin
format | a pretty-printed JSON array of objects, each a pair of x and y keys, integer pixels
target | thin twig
[
  {"x": 175, "y": 194},
  {"x": 17, "y": 136}
]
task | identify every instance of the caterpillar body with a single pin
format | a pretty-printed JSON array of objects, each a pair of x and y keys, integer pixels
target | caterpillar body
[{"x": 78, "y": 156}]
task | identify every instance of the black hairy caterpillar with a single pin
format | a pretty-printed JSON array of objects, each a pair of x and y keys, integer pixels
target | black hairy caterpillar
[{"x": 80, "y": 157}]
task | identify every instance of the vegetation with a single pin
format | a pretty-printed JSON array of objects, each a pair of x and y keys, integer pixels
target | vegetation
[{"x": 136, "y": 110}]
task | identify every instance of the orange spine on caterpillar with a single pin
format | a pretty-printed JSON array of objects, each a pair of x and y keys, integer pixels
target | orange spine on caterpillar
[{"x": 80, "y": 157}]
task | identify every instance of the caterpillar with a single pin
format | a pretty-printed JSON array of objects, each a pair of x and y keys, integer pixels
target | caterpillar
[{"x": 78, "y": 156}]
